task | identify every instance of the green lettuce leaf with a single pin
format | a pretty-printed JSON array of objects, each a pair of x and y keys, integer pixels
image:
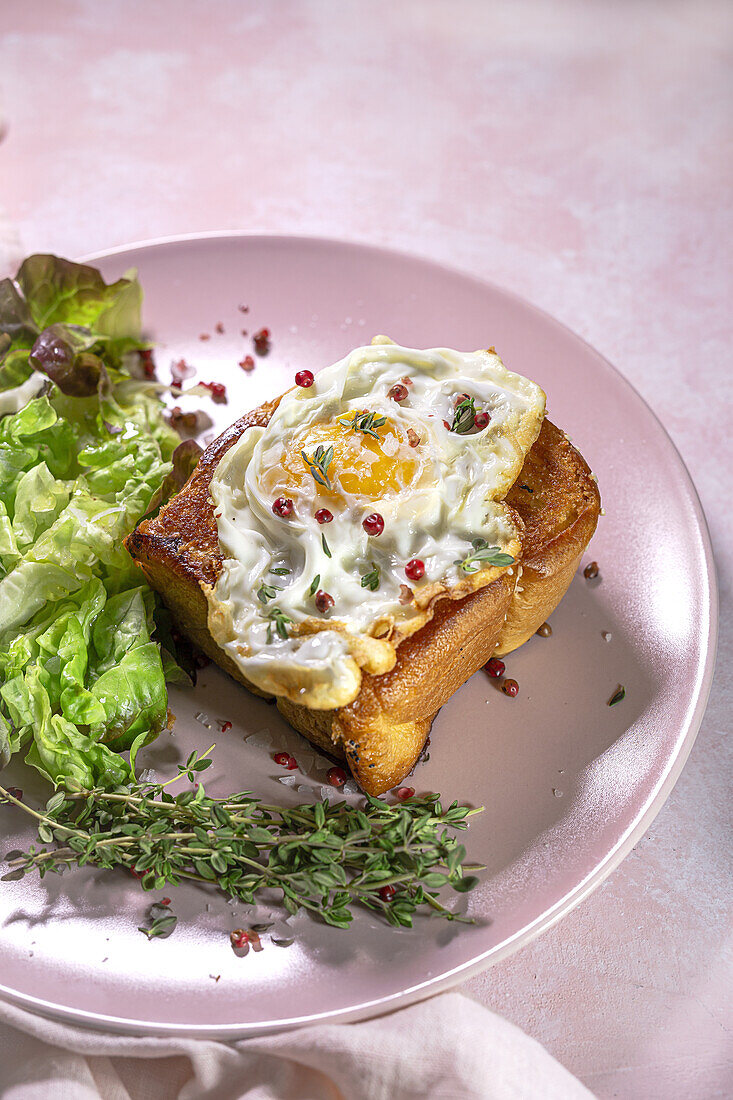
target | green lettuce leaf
[
  {"x": 67, "y": 757},
  {"x": 39, "y": 497},
  {"x": 133, "y": 695},
  {"x": 15, "y": 368},
  {"x": 58, "y": 291},
  {"x": 121, "y": 626}
]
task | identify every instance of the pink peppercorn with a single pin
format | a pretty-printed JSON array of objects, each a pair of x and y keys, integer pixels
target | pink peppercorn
[
  {"x": 283, "y": 506},
  {"x": 261, "y": 341},
  {"x": 494, "y": 667},
  {"x": 415, "y": 569},
  {"x": 373, "y": 524},
  {"x": 324, "y": 601},
  {"x": 217, "y": 390}
]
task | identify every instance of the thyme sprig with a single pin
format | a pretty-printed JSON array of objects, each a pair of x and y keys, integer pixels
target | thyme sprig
[
  {"x": 267, "y": 592},
  {"x": 160, "y": 926},
  {"x": 371, "y": 579},
  {"x": 482, "y": 555},
  {"x": 364, "y": 421},
  {"x": 280, "y": 621},
  {"x": 318, "y": 465},
  {"x": 464, "y": 416},
  {"x": 321, "y": 857}
]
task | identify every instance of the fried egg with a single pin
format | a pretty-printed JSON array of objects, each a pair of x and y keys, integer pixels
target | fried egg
[{"x": 370, "y": 494}]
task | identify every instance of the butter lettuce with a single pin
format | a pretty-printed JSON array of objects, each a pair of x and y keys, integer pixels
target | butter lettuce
[
  {"x": 58, "y": 291},
  {"x": 81, "y": 674}
]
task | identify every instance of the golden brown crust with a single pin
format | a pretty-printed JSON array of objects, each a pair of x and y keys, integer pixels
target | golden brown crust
[
  {"x": 382, "y": 732},
  {"x": 559, "y": 503}
]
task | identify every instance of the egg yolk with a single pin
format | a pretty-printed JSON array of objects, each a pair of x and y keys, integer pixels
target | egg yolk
[{"x": 362, "y": 466}]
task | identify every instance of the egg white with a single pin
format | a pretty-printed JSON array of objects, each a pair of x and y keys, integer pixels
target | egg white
[{"x": 451, "y": 494}]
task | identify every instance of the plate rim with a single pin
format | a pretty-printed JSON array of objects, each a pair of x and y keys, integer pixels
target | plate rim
[{"x": 688, "y": 729}]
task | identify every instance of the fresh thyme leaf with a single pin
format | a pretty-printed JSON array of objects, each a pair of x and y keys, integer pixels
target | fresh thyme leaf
[
  {"x": 321, "y": 857},
  {"x": 618, "y": 695},
  {"x": 364, "y": 421},
  {"x": 318, "y": 465},
  {"x": 282, "y": 572},
  {"x": 464, "y": 416},
  {"x": 280, "y": 619},
  {"x": 482, "y": 555},
  {"x": 324, "y": 544},
  {"x": 371, "y": 580},
  {"x": 468, "y": 882},
  {"x": 314, "y": 584},
  {"x": 161, "y": 927},
  {"x": 267, "y": 592}
]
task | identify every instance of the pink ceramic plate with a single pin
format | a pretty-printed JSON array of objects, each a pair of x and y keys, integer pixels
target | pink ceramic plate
[{"x": 568, "y": 783}]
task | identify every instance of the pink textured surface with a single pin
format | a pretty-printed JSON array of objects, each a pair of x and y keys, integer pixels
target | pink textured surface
[{"x": 578, "y": 154}]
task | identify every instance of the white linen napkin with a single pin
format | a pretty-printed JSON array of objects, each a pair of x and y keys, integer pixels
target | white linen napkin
[{"x": 447, "y": 1048}]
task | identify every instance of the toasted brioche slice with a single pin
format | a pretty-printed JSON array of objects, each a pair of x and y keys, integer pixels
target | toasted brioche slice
[{"x": 382, "y": 732}]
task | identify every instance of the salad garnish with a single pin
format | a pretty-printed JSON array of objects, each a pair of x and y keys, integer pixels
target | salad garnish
[{"x": 82, "y": 671}]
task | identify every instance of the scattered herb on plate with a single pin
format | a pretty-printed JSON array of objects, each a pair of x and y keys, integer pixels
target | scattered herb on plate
[{"x": 618, "y": 695}]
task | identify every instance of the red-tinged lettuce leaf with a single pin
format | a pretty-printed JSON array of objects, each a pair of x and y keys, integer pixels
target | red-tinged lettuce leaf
[
  {"x": 16, "y": 319},
  {"x": 61, "y": 352},
  {"x": 185, "y": 459}
]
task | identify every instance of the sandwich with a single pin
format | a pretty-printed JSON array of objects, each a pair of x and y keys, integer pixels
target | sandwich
[{"x": 359, "y": 547}]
